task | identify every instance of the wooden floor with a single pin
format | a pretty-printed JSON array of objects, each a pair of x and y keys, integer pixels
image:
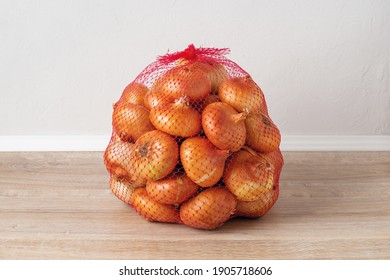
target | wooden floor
[{"x": 59, "y": 206}]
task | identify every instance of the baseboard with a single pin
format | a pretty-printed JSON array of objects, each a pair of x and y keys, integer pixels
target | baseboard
[
  {"x": 335, "y": 143},
  {"x": 53, "y": 143},
  {"x": 289, "y": 143}
]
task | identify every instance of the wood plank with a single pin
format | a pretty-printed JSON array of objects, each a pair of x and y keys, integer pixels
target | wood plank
[{"x": 58, "y": 205}]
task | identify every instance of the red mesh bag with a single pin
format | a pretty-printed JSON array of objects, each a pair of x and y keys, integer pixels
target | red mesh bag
[{"x": 193, "y": 142}]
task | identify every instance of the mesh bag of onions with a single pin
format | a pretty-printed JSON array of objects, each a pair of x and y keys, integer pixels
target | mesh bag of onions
[{"x": 193, "y": 142}]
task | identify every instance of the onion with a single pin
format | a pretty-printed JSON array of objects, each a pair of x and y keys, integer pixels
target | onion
[
  {"x": 154, "y": 155},
  {"x": 130, "y": 121},
  {"x": 171, "y": 190},
  {"x": 262, "y": 133},
  {"x": 118, "y": 164},
  {"x": 209, "y": 209},
  {"x": 116, "y": 158},
  {"x": 248, "y": 176},
  {"x": 211, "y": 98},
  {"x": 152, "y": 210},
  {"x": 202, "y": 161},
  {"x": 115, "y": 137},
  {"x": 223, "y": 126},
  {"x": 123, "y": 189},
  {"x": 275, "y": 158},
  {"x": 215, "y": 71},
  {"x": 177, "y": 118},
  {"x": 134, "y": 93},
  {"x": 259, "y": 207},
  {"x": 184, "y": 81},
  {"x": 217, "y": 76},
  {"x": 154, "y": 98},
  {"x": 242, "y": 93}
]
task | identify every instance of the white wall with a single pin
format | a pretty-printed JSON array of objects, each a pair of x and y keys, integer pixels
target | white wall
[{"x": 323, "y": 65}]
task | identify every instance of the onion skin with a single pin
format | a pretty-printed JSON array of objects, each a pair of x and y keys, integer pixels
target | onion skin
[
  {"x": 123, "y": 189},
  {"x": 134, "y": 93},
  {"x": 262, "y": 134},
  {"x": 171, "y": 190},
  {"x": 224, "y": 126},
  {"x": 155, "y": 98},
  {"x": 275, "y": 158},
  {"x": 242, "y": 93},
  {"x": 184, "y": 81},
  {"x": 177, "y": 118},
  {"x": 202, "y": 161},
  {"x": 216, "y": 72},
  {"x": 248, "y": 176},
  {"x": 152, "y": 210},
  {"x": 116, "y": 160},
  {"x": 115, "y": 137},
  {"x": 211, "y": 98},
  {"x": 130, "y": 121},
  {"x": 209, "y": 209},
  {"x": 259, "y": 207},
  {"x": 155, "y": 155},
  {"x": 218, "y": 75}
]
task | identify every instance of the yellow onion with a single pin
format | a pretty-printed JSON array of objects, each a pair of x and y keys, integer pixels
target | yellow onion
[
  {"x": 211, "y": 98},
  {"x": 152, "y": 210},
  {"x": 116, "y": 158},
  {"x": 130, "y": 121},
  {"x": 248, "y": 176},
  {"x": 134, "y": 93},
  {"x": 154, "y": 155},
  {"x": 123, "y": 189},
  {"x": 202, "y": 161},
  {"x": 224, "y": 126},
  {"x": 184, "y": 81},
  {"x": 262, "y": 133},
  {"x": 177, "y": 118},
  {"x": 171, "y": 190},
  {"x": 259, "y": 207},
  {"x": 275, "y": 158},
  {"x": 242, "y": 93},
  {"x": 118, "y": 164},
  {"x": 209, "y": 209},
  {"x": 154, "y": 98},
  {"x": 215, "y": 71}
]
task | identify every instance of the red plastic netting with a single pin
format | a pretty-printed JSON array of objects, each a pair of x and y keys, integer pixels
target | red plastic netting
[{"x": 193, "y": 143}]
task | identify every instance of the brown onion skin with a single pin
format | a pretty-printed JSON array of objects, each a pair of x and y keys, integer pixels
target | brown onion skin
[
  {"x": 171, "y": 190},
  {"x": 218, "y": 75},
  {"x": 123, "y": 188},
  {"x": 211, "y": 98},
  {"x": 216, "y": 72},
  {"x": 115, "y": 137},
  {"x": 248, "y": 176},
  {"x": 262, "y": 134},
  {"x": 116, "y": 158},
  {"x": 209, "y": 209},
  {"x": 184, "y": 81},
  {"x": 242, "y": 93},
  {"x": 259, "y": 207},
  {"x": 154, "y": 98},
  {"x": 275, "y": 158},
  {"x": 224, "y": 126},
  {"x": 177, "y": 118},
  {"x": 152, "y": 210},
  {"x": 155, "y": 155},
  {"x": 134, "y": 93},
  {"x": 130, "y": 121},
  {"x": 202, "y": 161}
]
